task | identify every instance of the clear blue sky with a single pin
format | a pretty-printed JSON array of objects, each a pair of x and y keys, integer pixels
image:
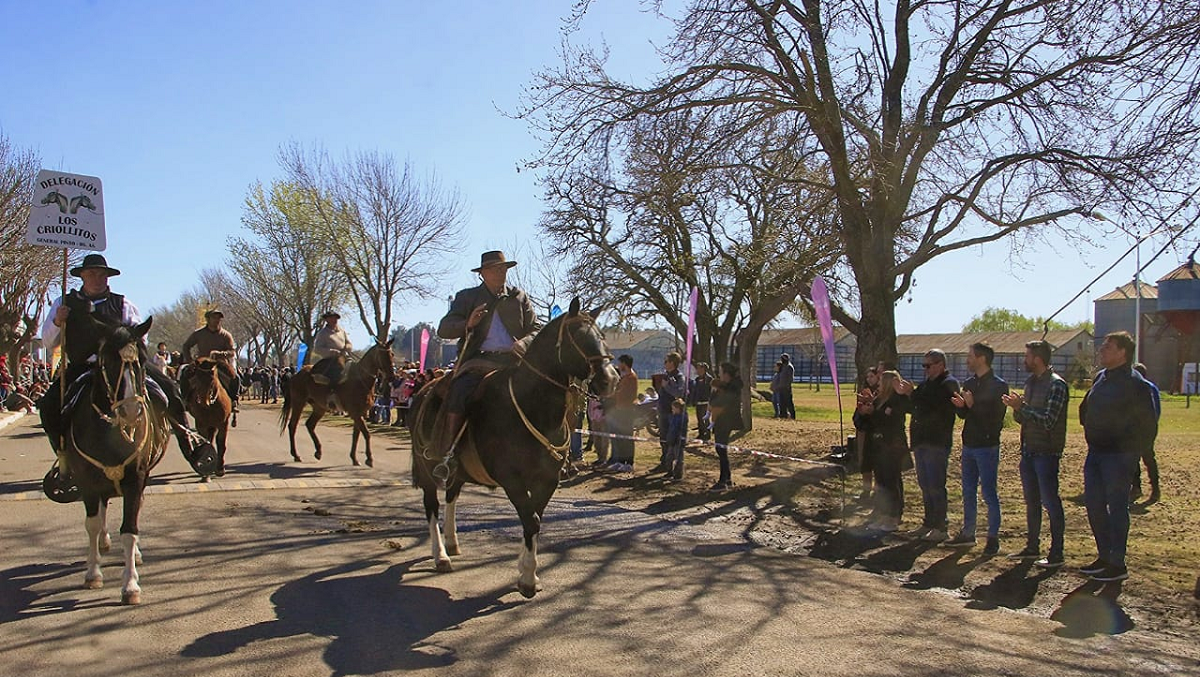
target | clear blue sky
[{"x": 179, "y": 107}]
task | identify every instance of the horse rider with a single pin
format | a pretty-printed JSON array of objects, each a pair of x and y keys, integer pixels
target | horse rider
[
  {"x": 484, "y": 344},
  {"x": 97, "y": 298},
  {"x": 331, "y": 347},
  {"x": 209, "y": 339}
]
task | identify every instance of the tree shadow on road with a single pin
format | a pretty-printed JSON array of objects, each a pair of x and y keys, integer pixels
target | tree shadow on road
[
  {"x": 18, "y": 601},
  {"x": 375, "y": 622}
]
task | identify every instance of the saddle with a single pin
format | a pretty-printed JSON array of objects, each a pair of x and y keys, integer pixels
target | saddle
[
  {"x": 75, "y": 390},
  {"x": 466, "y": 452}
]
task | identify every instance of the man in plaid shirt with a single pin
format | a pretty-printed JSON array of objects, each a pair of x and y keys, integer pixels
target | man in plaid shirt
[{"x": 1042, "y": 413}]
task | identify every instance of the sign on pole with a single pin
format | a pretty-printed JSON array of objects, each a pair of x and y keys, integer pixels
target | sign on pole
[{"x": 67, "y": 212}]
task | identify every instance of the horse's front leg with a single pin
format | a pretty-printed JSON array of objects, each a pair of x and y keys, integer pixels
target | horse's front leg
[
  {"x": 528, "y": 583},
  {"x": 94, "y": 525},
  {"x": 131, "y": 486},
  {"x": 449, "y": 525},
  {"x": 354, "y": 442},
  {"x": 366, "y": 433},
  {"x": 441, "y": 560},
  {"x": 105, "y": 539},
  {"x": 222, "y": 436}
]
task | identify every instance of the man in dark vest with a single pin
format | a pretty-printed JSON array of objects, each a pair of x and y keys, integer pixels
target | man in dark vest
[
  {"x": 96, "y": 298},
  {"x": 484, "y": 344}
]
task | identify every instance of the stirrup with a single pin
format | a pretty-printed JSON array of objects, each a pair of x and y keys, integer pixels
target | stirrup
[{"x": 442, "y": 472}]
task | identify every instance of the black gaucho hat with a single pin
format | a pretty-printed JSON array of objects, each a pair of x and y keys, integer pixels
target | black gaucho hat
[
  {"x": 489, "y": 259},
  {"x": 94, "y": 261}
]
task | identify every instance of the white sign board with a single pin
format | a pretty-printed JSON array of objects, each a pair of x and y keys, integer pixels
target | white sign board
[{"x": 67, "y": 212}]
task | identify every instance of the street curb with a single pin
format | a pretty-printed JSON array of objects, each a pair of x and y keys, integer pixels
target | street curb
[{"x": 8, "y": 418}]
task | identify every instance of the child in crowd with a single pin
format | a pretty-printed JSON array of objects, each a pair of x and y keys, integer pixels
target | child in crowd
[{"x": 676, "y": 436}]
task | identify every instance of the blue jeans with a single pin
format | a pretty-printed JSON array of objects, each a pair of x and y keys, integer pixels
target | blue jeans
[
  {"x": 932, "y": 463},
  {"x": 1039, "y": 484},
  {"x": 1106, "y": 484},
  {"x": 980, "y": 466}
]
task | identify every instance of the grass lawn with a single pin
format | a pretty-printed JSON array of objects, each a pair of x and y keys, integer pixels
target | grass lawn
[{"x": 1164, "y": 551}]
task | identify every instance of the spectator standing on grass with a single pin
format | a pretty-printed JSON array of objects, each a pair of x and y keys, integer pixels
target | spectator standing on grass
[
  {"x": 862, "y": 436},
  {"x": 886, "y": 417},
  {"x": 932, "y": 433},
  {"x": 1042, "y": 413},
  {"x": 1119, "y": 422},
  {"x": 775, "y": 395},
  {"x": 675, "y": 435},
  {"x": 781, "y": 387},
  {"x": 621, "y": 410},
  {"x": 726, "y": 410},
  {"x": 1148, "y": 454},
  {"x": 699, "y": 395},
  {"x": 981, "y": 405},
  {"x": 669, "y": 386}
]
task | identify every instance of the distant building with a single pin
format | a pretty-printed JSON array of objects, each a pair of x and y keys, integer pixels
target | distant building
[
  {"x": 1073, "y": 353},
  {"x": 647, "y": 347},
  {"x": 806, "y": 351},
  {"x": 1170, "y": 314}
]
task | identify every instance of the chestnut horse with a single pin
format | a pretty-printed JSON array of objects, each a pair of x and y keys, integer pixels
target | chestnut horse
[
  {"x": 517, "y": 432},
  {"x": 209, "y": 404},
  {"x": 117, "y": 431},
  {"x": 355, "y": 393}
]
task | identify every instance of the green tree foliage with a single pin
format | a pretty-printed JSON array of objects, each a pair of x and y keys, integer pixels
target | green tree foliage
[{"x": 1003, "y": 319}]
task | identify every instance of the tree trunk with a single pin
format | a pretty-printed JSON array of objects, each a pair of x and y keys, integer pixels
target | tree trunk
[
  {"x": 746, "y": 363},
  {"x": 877, "y": 328}
]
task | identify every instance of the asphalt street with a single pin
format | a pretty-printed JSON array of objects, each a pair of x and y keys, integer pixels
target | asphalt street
[{"x": 320, "y": 568}]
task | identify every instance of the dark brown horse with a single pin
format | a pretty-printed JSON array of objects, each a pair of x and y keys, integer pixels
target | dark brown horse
[
  {"x": 355, "y": 393},
  {"x": 209, "y": 404},
  {"x": 517, "y": 433},
  {"x": 117, "y": 432}
]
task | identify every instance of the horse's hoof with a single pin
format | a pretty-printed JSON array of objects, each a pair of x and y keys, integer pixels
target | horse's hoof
[
  {"x": 527, "y": 591},
  {"x": 354, "y": 462},
  {"x": 221, "y": 472},
  {"x": 317, "y": 455},
  {"x": 370, "y": 462},
  {"x": 296, "y": 458},
  {"x": 93, "y": 583},
  {"x": 453, "y": 550},
  {"x": 134, "y": 597},
  {"x": 204, "y": 480},
  {"x": 444, "y": 566}
]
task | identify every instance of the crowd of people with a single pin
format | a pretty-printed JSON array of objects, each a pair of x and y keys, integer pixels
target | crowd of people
[
  {"x": 901, "y": 425},
  {"x": 20, "y": 388}
]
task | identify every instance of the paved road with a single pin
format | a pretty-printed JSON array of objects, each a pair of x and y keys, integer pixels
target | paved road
[{"x": 282, "y": 579}]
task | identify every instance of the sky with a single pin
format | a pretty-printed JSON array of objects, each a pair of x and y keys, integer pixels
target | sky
[{"x": 180, "y": 107}]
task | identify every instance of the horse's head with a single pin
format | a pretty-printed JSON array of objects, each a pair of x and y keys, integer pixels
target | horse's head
[
  {"x": 202, "y": 377},
  {"x": 379, "y": 360},
  {"x": 575, "y": 342},
  {"x": 121, "y": 363}
]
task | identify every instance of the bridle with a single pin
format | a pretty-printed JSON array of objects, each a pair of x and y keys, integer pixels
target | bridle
[
  {"x": 595, "y": 362},
  {"x": 576, "y": 391},
  {"x": 134, "y": 427}
]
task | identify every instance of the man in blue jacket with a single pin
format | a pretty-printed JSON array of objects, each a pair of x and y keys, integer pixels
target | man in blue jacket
[{"x": 1119, "y": 423}]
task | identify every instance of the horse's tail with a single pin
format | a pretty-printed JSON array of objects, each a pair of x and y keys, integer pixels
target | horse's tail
[{"x": 286, "y": 412}]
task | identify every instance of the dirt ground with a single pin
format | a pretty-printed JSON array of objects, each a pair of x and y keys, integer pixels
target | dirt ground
[{"x": 797, "y": 507}]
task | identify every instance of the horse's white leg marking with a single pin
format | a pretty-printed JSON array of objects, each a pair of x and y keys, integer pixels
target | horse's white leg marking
[
  {"x": 131, "y": 593},
  {"x": 105, "y": 539},
  {"x": 93, "y": 578},
  {"x": 441, "y": 560},
  {"x": 527, "y": 579},
  {"x": 450, "y": 529},
  {"x": 137, "y": 550}
]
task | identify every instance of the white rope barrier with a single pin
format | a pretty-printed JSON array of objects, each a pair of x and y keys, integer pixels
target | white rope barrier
[{"x": 730, "y": 447}]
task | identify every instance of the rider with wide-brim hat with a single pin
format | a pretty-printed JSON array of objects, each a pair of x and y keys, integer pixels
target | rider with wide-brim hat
[
  {"x": 95, "y": 297},
  {"x": 209, "y": 339},
  {"x": 331, "y": 347},
  {"x": 494, "y": 323}
]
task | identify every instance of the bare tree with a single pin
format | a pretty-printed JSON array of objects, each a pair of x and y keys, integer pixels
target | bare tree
[
  {"x": 389, "y": 230},
  {"x": 690, "y": 208},
  {"x": 285, "y": 271},
  {"x": 940, "y": 125},
  {"x": 29, "y": 270}
]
